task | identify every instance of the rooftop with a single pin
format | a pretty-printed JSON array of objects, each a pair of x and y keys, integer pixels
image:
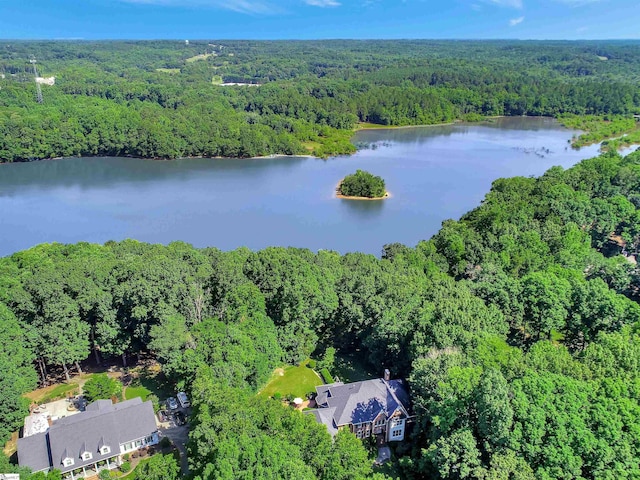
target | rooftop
[
  {"x": 360, "y": 402},
  {"x": 102, "y": 424}
]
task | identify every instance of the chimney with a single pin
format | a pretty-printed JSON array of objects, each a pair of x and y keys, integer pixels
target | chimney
[{"x": 387, "y": 375}]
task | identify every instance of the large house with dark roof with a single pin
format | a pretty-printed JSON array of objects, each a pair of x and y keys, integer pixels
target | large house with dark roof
[
  {"x": 83, "y": 444},
  {"x": 371, "y": 407}
]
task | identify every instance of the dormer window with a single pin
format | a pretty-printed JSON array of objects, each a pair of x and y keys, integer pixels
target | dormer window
[
  {"x": 105, "y": 450},
  {"x": 86, "y": 456},
  {"x": 67, "y": 462}
]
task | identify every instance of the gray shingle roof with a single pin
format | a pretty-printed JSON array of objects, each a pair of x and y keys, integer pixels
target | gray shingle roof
[
  {"x": 322, "y": 392},
  {"x": 360, "y": 402},
  {"x": 325, "y": 415},
  {"x": 103, "y": 423},
  {"x": 34, "y": 452}
]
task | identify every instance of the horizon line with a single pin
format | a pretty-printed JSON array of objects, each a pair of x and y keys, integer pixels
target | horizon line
[{"x": 372, "y": 39}]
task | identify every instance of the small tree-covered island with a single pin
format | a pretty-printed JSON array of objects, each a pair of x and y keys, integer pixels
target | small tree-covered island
[{"x": 362, "y": 186}]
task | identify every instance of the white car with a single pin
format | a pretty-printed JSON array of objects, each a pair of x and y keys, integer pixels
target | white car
[
  {"x": 184, "y": 401},
  {"x": 172, "y": 404}
]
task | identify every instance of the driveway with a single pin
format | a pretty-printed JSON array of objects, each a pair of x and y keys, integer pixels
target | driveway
[{"x": 179, "y": 435}]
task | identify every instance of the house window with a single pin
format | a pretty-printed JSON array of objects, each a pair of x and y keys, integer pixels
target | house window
[
  {"x": 127, "y": 446},
  {"x": 67, "y": 462},
  {"x": 396, "y": 422},
  {"x": 379, "y": 422},
  {"x": 148, "y": 440},
  {"x": 86, "y": 456},
  {"x": 104, "y": 450},
  {"x": 138, "y": 443},
  {"x": 396, "y": 433}
]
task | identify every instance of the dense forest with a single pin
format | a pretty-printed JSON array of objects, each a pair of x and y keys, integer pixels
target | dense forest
[
  {"x": 516, "y": 326},
  {"x": 167, "y": 99}
]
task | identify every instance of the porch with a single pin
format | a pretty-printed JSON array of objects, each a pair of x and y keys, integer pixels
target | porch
[{"x": 93, "y": 470}]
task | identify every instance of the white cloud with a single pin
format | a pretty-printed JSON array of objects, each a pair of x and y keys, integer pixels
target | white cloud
[
  {"x": 507, "y": 3},
  {"x": 242, "y": 6},
  {"x": 323, "y": 3},
  {"x": 516, "y": 21},
  {"x": 577, "y": 3}
]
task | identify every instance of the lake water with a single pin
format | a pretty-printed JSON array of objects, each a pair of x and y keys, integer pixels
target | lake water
[{"x": 433, "y": 173}]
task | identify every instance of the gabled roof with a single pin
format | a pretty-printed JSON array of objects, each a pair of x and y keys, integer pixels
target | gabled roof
[
  {"x": 322, "y": 392},
  {"x": 360, "y": 402},
  {"x": 103, "y": 423},
  {"x": 325, "y": 415},
  {"x": 33, "y": 452}
]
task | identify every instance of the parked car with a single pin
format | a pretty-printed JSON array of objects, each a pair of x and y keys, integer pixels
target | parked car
[
  {"x": 180, "y": 418},
  {"x": 163, "y": 416},
  {"x": 183, "y": 399},
  {"x": 172, "y": 403}
]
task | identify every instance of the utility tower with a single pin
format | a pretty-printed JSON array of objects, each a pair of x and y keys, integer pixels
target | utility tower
[{"x": 38, "y": 87}]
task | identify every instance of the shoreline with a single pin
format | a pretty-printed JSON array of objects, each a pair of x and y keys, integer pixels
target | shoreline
[
  {"x": 455, "y": 122},
  {"x": 273, "y": 155},
  {"x": 337, "y": 194},
  {"x": 401, "y": 127},
  {"x": 161, "y": 159},
  {"x": 355, "y": 130}
]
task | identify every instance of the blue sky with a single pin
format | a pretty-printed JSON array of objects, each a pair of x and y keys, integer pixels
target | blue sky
[{"x": 260, "y": 19}]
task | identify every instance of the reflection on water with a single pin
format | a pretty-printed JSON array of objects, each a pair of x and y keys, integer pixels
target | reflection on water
[
  {"x": 434, "y": 173},
  {"x": 364, "y": 207}
]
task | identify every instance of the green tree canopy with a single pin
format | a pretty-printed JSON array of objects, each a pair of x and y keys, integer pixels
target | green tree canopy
[
  {"x": 100, "y": 386},
  {"x": 362, "y": 184},
  {"x": 159, "y": 467}
]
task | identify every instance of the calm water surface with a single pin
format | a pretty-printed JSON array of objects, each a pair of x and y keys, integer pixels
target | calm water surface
[{"x": 434, "y": 173}]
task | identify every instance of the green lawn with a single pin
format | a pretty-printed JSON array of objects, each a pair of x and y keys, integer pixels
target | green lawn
[
  {"x": 296, "y": 381},
  {"x": 138, "y": 391},
  {"x": 351, "y": 367},
  {"x": 155, "y": 382},
  {"x": 45, "y": 395}
]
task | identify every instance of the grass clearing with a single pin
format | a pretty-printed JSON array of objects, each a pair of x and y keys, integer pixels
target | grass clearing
[
  {"x": 52, "y": 392},
  {"x": 171, "y": 71},
  {"x": 311, "y": 146},
  {"x": 202, "y": 56},
  {"x": 137, "y": 391},
  {"x": 297, "y": 381},
  {"x": 351, "y": 367},
  {"x": 155, "y": 382}
]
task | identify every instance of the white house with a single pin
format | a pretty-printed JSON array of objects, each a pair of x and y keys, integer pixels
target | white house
[{"x": 83, "y": 444}]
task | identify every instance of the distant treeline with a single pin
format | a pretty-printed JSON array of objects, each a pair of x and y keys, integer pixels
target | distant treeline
[
  {"x": 119, "y": 98},
  {"x": 517, "y": 327}
]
